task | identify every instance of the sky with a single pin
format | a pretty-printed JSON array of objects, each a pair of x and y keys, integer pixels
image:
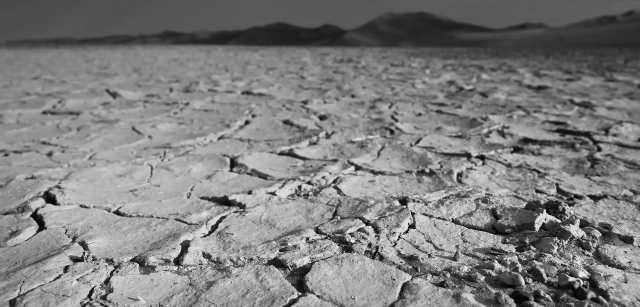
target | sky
[{"x": 30, "y": 19}]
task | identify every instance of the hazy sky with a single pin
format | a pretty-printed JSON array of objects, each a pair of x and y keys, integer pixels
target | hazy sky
[{"x": 81, "y": 18}]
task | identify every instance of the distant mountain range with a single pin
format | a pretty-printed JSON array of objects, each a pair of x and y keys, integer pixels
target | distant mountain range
[{"x": 416, "y": 29}]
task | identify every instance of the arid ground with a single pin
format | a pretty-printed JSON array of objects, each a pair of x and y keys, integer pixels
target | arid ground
[{"x": 237, "y": 176}]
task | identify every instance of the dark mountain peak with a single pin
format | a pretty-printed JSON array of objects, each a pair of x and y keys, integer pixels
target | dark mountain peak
[
  {"x": 409, "y": 17},
  {"x": 527, "y": 26},
  {"x": 629, "y": 16}
]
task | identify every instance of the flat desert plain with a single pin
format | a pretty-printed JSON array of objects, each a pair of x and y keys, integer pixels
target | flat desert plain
[{"x": 239, "y": 176}]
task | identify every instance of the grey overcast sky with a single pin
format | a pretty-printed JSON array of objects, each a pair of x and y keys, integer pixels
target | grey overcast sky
[{"x": 27, "y": 19}]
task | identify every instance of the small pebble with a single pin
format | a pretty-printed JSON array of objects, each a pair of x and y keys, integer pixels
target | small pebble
[
  {"x": 578, "y": 274},
  {"x": 504, "y": 300},
  {"x": 447, "y": 284},
  {"x": 597, "y": 280},
  {"x": 539, "y": 294},
  {"x": 592, "y": 232},
  {"x": 538, "y": 274},
  {"x": 581, "y": 304},
  {"x": 600, "y": 300},
  {"x": 528, "y": 280},
  {"x": 588, "y": 245},
  {"x": 529, "y": 304},
  {"x": 457, "y": 256},
  {"x": 563, "y": 280},
  {"x": 512, "y": 279},
  {"x": 582, "y": 293},
  {"x": 476, "y": 277},
  {"x": 520, "y": 296},
  {"x": 575, "y": 284}
]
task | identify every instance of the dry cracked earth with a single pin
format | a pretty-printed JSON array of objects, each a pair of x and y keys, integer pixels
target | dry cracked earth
[{"x": 206, "y": 176}]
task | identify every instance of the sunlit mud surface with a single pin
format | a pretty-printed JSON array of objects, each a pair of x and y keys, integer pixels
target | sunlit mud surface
[{"x": 199, "y": 176}]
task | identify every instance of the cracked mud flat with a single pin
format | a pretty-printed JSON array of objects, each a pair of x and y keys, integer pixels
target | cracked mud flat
[{"x": 184, "y": 176}]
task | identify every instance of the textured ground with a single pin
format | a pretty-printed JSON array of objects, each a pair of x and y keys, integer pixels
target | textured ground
[{"x": 184, "y": 176}]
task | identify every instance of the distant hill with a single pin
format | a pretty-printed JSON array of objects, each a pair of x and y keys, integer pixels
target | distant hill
[
  {"x": 272, "y": 34},
  {"x": 418, "y": 29},
  {"x": 407, "y": 29}
]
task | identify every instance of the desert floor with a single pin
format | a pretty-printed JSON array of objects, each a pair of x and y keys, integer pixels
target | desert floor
[{"x": 199, "y": 176}]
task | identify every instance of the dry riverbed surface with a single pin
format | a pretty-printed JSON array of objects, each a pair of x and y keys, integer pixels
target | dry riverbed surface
[{"x": 207, "y": 176}]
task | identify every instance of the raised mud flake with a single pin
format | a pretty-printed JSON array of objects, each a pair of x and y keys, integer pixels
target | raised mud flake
[
  {"x": 105, "y": 186},
  {"x": 368, "y": 209},
  {"x": 253, "y": 235},
  {"x": 582, "y": 186},
  {"x": 512, "y": 219},
  {"x": 394, "y": 225},
  {"x": 627, "y": 155},
  {"x": 23, "y": 165},
  {"x": 270, "y": 166},
  {"x": 622, "y": 288},
  {"x": 35, "y": 262},
  {"x": 156, "y": 288},
  {"x": 457, "y": 146},
  {"x": 71, "y": 289},
  {"x": 617, "y": 212},
  {"x": 334, "y": 148},
  {"x": 190, "y": 211},
  {"x": 481, "y": 219},
  {"x": 16, "y": 228},
  {"x": 340, "y": 226},
  {"x": 17, "y": 193},
  {"x": 269, "y": 129},
  {"x": 419, "y": 292},
  {"x": 558, "y": 161},
  {"x": 447, "y": 208},
  {"x": 438, "y": 122},
  {"x": 500, "y": 179},
  {"x": 625, "y": 257},
  {"x": 250, "y": 286},
  {"x": 448, "y": 237},
  {"x": 109, "y": 236},
  {"x": 355, "y": 280},
  {"x": 225, "y": 147},
  {"x": 310, "y": 300},
  {"x": 380, "y": 186},
  {"x": 101, "y": 139},
  {"x": 303, "y": 254},
  {"x": 174, "y": 178},
  {"x": 395, "y": 158}
]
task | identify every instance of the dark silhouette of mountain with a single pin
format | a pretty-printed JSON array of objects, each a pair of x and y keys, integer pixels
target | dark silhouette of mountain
[
  {"x": 418, "y": 29},
  {"x": 629, "y": 16},
  {"x": 526, "y": 26},
  {"x": 407, "y": 29}
]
